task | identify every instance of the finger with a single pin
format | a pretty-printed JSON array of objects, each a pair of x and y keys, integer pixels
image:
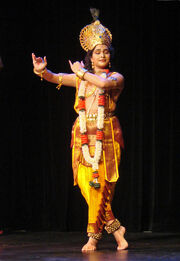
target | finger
[
  {"x": 70, "y": 63},
  {"x": 44, "y": 58},
  {"x": 34, "y": 59},
  {"x": 82, "y": 63},
  {"x": 33, "y": 56}
]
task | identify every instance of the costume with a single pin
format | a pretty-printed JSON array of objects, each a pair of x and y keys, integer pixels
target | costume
[{"x": 98, "y": 200}]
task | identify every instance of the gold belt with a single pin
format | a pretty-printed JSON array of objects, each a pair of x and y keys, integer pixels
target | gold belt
[{"x": 93, "y": 116}]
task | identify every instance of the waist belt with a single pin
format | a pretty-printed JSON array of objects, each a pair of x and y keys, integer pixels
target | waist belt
[{"x": 93, "y": 116}]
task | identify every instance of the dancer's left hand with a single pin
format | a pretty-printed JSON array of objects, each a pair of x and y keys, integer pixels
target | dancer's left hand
[{"x": 76, "y": 66}]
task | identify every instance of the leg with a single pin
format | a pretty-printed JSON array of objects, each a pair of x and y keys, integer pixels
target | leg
[
  {"x": 93, "y": 198},
  {"x": 114, "y": 227}
]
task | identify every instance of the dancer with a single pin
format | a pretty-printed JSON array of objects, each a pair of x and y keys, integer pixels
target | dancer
[{"x": 96, "y": 134}]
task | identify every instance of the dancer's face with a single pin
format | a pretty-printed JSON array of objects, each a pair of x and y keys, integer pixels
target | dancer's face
[{"x": 101, "y": 56}]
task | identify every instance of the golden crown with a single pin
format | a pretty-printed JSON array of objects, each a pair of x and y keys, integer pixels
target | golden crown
[{"x": 94, "y": 33}]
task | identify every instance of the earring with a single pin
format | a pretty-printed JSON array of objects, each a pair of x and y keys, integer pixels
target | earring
[
  {"x": 109, "y": 65},
  {"x": 92, "y": 65}
]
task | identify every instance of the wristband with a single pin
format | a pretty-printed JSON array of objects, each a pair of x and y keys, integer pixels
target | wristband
[
  {"x": 80, "y": 74},
  {"x": 40, "y": 73}
]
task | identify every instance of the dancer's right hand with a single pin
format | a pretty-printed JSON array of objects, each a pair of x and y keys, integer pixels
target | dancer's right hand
[{"x": 39, "y": 63}]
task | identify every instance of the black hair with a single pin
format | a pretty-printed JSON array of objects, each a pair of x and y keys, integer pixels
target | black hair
[{"x": 87, "y": 59}]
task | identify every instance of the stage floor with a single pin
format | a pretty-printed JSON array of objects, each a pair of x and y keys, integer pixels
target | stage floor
[{"x": 58, "y": 246}]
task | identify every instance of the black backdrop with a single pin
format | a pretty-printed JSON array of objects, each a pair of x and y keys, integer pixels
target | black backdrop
[{"x": 36, "y": 185}]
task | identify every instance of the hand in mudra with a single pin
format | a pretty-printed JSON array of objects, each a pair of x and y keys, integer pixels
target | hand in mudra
[
  {"x": 76, "y": 66},
  {"x": 39, "y": 63}
]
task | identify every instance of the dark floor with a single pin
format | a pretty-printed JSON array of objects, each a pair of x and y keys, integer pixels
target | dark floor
[{"x": 58, "y": 246}]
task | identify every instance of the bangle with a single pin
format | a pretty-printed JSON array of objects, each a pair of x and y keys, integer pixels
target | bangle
[
  {"x": 60, "y": 82},
  {"x": 40, "y": 73},
  {"x": 80, "y": 74}
]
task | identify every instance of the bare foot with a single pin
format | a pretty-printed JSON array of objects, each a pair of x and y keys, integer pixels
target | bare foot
[
  {"x": 122, "y": 230},
  {"x": 119, "y": 236},
  {"x": 90, "y": 246}
]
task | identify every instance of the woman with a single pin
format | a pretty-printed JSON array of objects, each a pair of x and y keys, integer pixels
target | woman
[{"x": 96, "y": 134}]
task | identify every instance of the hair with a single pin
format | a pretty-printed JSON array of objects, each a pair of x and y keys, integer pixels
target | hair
[{"x": 87, "y": 59}]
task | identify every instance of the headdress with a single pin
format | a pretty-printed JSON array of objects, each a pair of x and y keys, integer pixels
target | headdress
[{"x": 94, "y": 33}]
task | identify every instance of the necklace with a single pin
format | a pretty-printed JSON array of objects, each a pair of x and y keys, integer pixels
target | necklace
[{"x": 94, "y": 161}]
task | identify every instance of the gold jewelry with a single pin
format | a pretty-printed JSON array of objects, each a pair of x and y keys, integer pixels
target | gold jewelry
[
  {"x": 114, "y": 226},
  {"x": 96, "y": 236},
  {"x": 92, "y": 65},
  {"x": 60, "y": 82},
  {"x": 94, "y": 33},
  {"x": 40, "y": 73},
  {"x": 80, "y": 74},
  {"x": 109, "y": 65},
  {"x": 91, "y": 117}
]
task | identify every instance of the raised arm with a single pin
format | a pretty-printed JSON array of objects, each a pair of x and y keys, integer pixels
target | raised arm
[
  {"x": 40, "y": 69},
  {"x": 116, "y": 81}
]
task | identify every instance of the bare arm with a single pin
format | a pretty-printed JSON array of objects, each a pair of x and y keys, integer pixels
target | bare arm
[
  {"x": 40, "y": 66},
  {"x": 116, "y": 81},
  {"x": 67, "y": 79}
]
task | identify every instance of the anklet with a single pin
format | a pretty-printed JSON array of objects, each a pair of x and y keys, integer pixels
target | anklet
[
  {"x": 113, "y": 227},
  {"x": 96, "y": 236}
]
